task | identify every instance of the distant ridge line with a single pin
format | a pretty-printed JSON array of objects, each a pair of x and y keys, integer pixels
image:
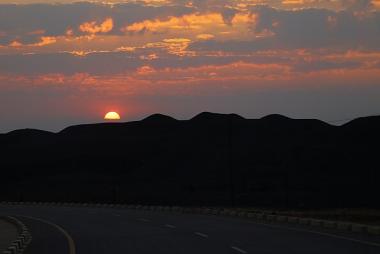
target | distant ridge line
[{"x": 160, "y": 118}]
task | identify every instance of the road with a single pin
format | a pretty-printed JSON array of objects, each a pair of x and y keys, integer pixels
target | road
[{"x": 67, "y": 230}]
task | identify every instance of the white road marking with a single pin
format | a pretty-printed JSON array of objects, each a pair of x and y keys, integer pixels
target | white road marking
[
  {"x": 170, "y": 226},
  {"x": 70, "y": 240},
  {"x": 201, "y": 234},
  {"x": 144, "y": 220},
  {"x": 321, "y": 233},
  {"x": 238, "y": 249},
  {"x": 117, "y": 215}
]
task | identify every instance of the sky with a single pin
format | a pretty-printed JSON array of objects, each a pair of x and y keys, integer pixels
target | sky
[{"x": 67, "y": 62}]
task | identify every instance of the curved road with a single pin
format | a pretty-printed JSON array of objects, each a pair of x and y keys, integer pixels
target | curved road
[{"x": 106, "y": 230}]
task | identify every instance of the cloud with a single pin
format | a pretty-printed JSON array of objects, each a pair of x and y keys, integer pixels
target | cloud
[
  {"x": 232, "y": 71},
  {"x": 205, "y": 36},
  {"x": 93, "y": 28},
  {"x": 44, "y": 40},
  {"x": 173, "y": 53},
  {"x": 306, "y": 28},
  {"x": 21, "y": 22},
  {"x": 376, "y": 3},
  {"x": 195, "y": 21},
  {"x": 234, "y": 76},
  {"x": 196, "y": 26},
  {"x": 352, "y": 24}
]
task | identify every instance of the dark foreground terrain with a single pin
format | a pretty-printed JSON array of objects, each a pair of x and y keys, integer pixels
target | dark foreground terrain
[
  {"x": 70, "y": 230},
  {"x": 212, "y": 159}
]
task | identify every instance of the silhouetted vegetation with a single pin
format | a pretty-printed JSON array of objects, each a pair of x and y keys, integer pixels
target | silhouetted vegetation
[{"x": 212, "y": 159}]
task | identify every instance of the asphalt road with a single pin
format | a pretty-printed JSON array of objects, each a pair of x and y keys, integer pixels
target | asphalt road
[{"x": 105, "y": 230}]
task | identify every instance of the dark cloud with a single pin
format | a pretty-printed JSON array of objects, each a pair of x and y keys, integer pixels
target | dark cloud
[
  {"x": 313, "y": 28},
  {"x": 306, "y": 28},
  {"x": 65, "y": 63}
]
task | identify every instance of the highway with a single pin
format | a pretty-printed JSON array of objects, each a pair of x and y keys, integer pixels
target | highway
[{"x": 84, "y": 230}]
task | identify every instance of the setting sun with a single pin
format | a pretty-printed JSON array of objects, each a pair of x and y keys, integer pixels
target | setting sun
[{"x": 112, "y": 116}]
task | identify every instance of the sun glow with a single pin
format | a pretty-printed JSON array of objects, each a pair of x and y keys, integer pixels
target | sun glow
[{"x": 112, "y": 116}]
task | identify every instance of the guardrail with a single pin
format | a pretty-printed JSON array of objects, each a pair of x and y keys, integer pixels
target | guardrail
[
  {"x": 23, "y": 239},
  {"x": 256, "y": 215}
]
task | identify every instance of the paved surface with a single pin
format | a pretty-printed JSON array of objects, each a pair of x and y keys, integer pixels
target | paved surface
[
  {"x": 8, "y": 233},
  {"x": 104, "y": 230}
]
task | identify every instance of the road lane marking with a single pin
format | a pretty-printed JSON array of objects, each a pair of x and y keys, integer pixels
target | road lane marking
[
  {"x": 321, "y": 233},
  {"x": 238, "y": 249},
  {"x": 201, "y": 234},
  {"x": 117, "y": 215},
  {"x": 170, "y": 226},
  {"x": 144, "y": 220},
  {"x": 70, "y": 240}
]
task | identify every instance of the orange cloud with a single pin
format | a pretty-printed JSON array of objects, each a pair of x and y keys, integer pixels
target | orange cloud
[
  {"x": 376, "y": 3},
  {"x": 168, "y": 80},
  {"x": 292, "y": 2},
  {"x": 175, "y": 46},
  {"x": 191, "y": 21},
  {"x": 126, "y": 49},
  {"x": 94, "y": 28},
  {"x": 15, "y": 44},
  {"x": 147, "y": 75},
  {"x": 44, "y": 40},
  {"x": 177, "y": 40},
  {"x": 233, "y": 71},
  {"x": 145, "y": 70},
  {"x": 152, "y": 56},
  {"x": 205, "y": 36},
  {"x": 193, "y": 25},
  {"x": 178, "y": 46},
  {"x": 79, "y": 53}
]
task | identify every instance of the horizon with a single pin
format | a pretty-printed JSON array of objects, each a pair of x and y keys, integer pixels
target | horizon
[{"x": 336, "y": 123}]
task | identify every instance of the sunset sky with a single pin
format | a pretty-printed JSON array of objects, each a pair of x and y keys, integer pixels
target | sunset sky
[{"x": 66, "y": 62}]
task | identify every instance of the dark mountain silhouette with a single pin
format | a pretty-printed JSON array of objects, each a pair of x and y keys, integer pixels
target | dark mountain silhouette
[
  {"x": 275, "y": 117},
  {"x": 26, "y": 134},
  {"x": 159, "y": 119},
  {"x": 211, "y": 159},
  {"x": 208, "y": 116}
]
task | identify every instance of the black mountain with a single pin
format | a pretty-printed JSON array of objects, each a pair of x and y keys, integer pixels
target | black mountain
[{"x": 212, "y": 159}]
